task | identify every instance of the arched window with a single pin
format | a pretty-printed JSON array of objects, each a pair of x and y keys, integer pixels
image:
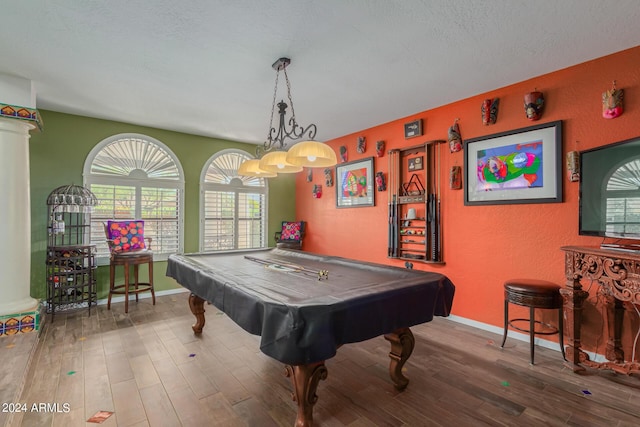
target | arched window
[
  {"x": 233, "y": 208},
  {"x": 137, "y": 177},
  {"x": 623, "y": 199}
]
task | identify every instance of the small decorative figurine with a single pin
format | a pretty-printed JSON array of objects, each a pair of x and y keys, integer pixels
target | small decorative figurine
[
  {"x": 309, "y": 174},
  {"x": 380, "y": 148},
  {"x": 343, "y": 153},
  {"x": 455, "y": 140},
  {"x": 362, "y": 145},
  {"x": 455, "y": 178},
  {"x": 573, "y": 166},
  {"x": 317, "y": 191},
  {"x": 328, "y": 177},
  {"x": 612, "y": 102},
  {"x": 490, "y": 111},
  {"x": 381, "y": 182},
  {"x": 534, "y": 105}
]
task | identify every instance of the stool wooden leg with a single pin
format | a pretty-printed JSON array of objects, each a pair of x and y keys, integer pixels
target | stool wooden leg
[
  {"x": 153, "y": 294},
  {"x": 561, "y": 331},
  {"x": 506, "y": 322},
  {"x": 532, "y": 330},
  {"x": 112, "y": 274},
  {"x": 135, "y": 276},
  {"x": 126, "y": 287}
]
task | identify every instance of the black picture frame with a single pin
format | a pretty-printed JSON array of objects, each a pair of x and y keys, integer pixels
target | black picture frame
[
  {"x": 413, "y": 129},
  {"x": 415, "y": 164},
  {"x": 355, "y": 184},
  {"x": 518, "y": 166}
]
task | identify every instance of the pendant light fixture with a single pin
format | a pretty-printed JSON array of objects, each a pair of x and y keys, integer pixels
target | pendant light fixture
[
  {"x": 273, "y": 157},
  {"x": 252, "y": 168}
]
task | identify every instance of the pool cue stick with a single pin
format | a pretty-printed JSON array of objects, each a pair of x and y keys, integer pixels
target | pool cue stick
[
  {"x": 432, "y": 202},
  {"x": 439, "y": 168},
  {"x": 435, "y": 255},
  {"x": 428, "y": 201},
  {"x": 321, "y": 274},
  {"x": 389, "y": 207},
  {"x": 396, "y": 177}
]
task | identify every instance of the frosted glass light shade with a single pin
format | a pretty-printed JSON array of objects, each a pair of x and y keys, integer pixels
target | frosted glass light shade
[
  {"x": 312, "y": 154},
  {"x": 276, "y": 162},
  {"x": 252, "y": 168}
]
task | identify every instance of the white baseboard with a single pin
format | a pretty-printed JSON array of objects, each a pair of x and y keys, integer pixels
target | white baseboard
[{"x": 519, "y": 336}]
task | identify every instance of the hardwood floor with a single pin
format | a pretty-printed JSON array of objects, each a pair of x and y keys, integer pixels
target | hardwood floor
[{"x": 149, "y": 369}]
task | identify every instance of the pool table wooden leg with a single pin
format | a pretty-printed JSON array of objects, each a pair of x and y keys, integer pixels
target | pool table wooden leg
[
  {"x": 196, "y": 304},
  {"x": 402, "y": 343},
  {"x": 305, "y": 379}
]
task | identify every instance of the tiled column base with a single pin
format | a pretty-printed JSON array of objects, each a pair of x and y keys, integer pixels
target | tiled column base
[{"x": 20, "y": 323}]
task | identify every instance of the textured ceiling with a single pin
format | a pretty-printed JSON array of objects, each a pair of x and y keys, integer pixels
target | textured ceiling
[{"x": 204, "y": 66}]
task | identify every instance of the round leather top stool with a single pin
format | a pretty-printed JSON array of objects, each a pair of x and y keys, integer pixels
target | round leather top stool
[{"x": 533, "y": 294}]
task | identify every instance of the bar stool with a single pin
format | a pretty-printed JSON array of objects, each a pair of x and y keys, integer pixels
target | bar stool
[
  {"x": 533, "y": 294},
  {"x": 128, "y": 248}
]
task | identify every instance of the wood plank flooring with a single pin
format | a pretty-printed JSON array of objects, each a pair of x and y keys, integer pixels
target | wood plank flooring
[{"x": 149, "y": 369}]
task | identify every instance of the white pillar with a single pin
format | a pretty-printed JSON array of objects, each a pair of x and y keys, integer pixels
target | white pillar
[
  {"x": 15, "y": 218},
  {"x": 15, "y": 205}
]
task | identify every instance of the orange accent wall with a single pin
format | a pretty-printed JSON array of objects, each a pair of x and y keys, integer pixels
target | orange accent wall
[{"x": 485, "y": 245}]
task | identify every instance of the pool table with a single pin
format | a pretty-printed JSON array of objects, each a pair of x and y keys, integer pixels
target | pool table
[{"x": 305, "y": 306}]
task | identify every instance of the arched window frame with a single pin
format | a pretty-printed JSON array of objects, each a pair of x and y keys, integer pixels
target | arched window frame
[
  {"x": 238, "y": 187},
  {"x": 140, "y": 182}
]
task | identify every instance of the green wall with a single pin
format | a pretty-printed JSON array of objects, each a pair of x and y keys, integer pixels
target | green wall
[{"x": 57, "y": 156}]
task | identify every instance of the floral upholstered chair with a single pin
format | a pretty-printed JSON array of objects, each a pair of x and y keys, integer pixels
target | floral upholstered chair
[{"x": 291, "y": 235}]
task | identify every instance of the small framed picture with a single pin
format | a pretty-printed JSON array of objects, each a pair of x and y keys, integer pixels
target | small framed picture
[
  {"x": 413, "y": 129},
  {"x": 415, "y": 164}
]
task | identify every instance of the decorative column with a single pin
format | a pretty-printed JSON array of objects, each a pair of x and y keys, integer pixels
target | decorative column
[{"x": 16, "y": 121}]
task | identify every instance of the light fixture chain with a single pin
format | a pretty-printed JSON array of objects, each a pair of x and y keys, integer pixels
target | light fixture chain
[
  {"x": 293, "y": 112},
  {"x": 273, "y": 105}
]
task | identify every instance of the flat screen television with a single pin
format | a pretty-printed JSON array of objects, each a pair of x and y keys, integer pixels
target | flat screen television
[{"x": 610, "y": 192}]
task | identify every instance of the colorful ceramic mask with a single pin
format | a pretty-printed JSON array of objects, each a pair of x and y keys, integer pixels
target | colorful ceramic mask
[
  {"x": 573, "y": 166},
  {"x": 534, "y": 105},
  {"x": 490, "y": 111},
  {"x": 328, "y": 177},
  {"x": 455, "y": 140},
  {"x": 381, "y": 182},
  {"x": 343, "y": 153},
  {"x": 317, "y": 191},
  {"x": 455, "y": 178},
  {"x": 380, "y": 148},
  {"x": 612, "y": 103},
  {"x": 362, "y": 145}
]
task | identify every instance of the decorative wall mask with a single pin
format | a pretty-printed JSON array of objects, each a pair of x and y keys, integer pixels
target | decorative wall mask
[
  {"x": 328, "y": 177},
  {"x": 381, "y": 182},
  {"x": 455, "y": 140},
  {"x": 309, "y": 174},
  {"x": 534, "y": 105},
  {"x": 362, "y": 145},
  {"x": 317, "y": 191},
  {"x": 343, "y": 153},
  {"x": 455, "y": 178},
  {"x": 380, "y": 148},
  {"x": 573, "y": 166},
  {"x": 490, "y": 111},
  {"x": 612, "y": 102}
]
